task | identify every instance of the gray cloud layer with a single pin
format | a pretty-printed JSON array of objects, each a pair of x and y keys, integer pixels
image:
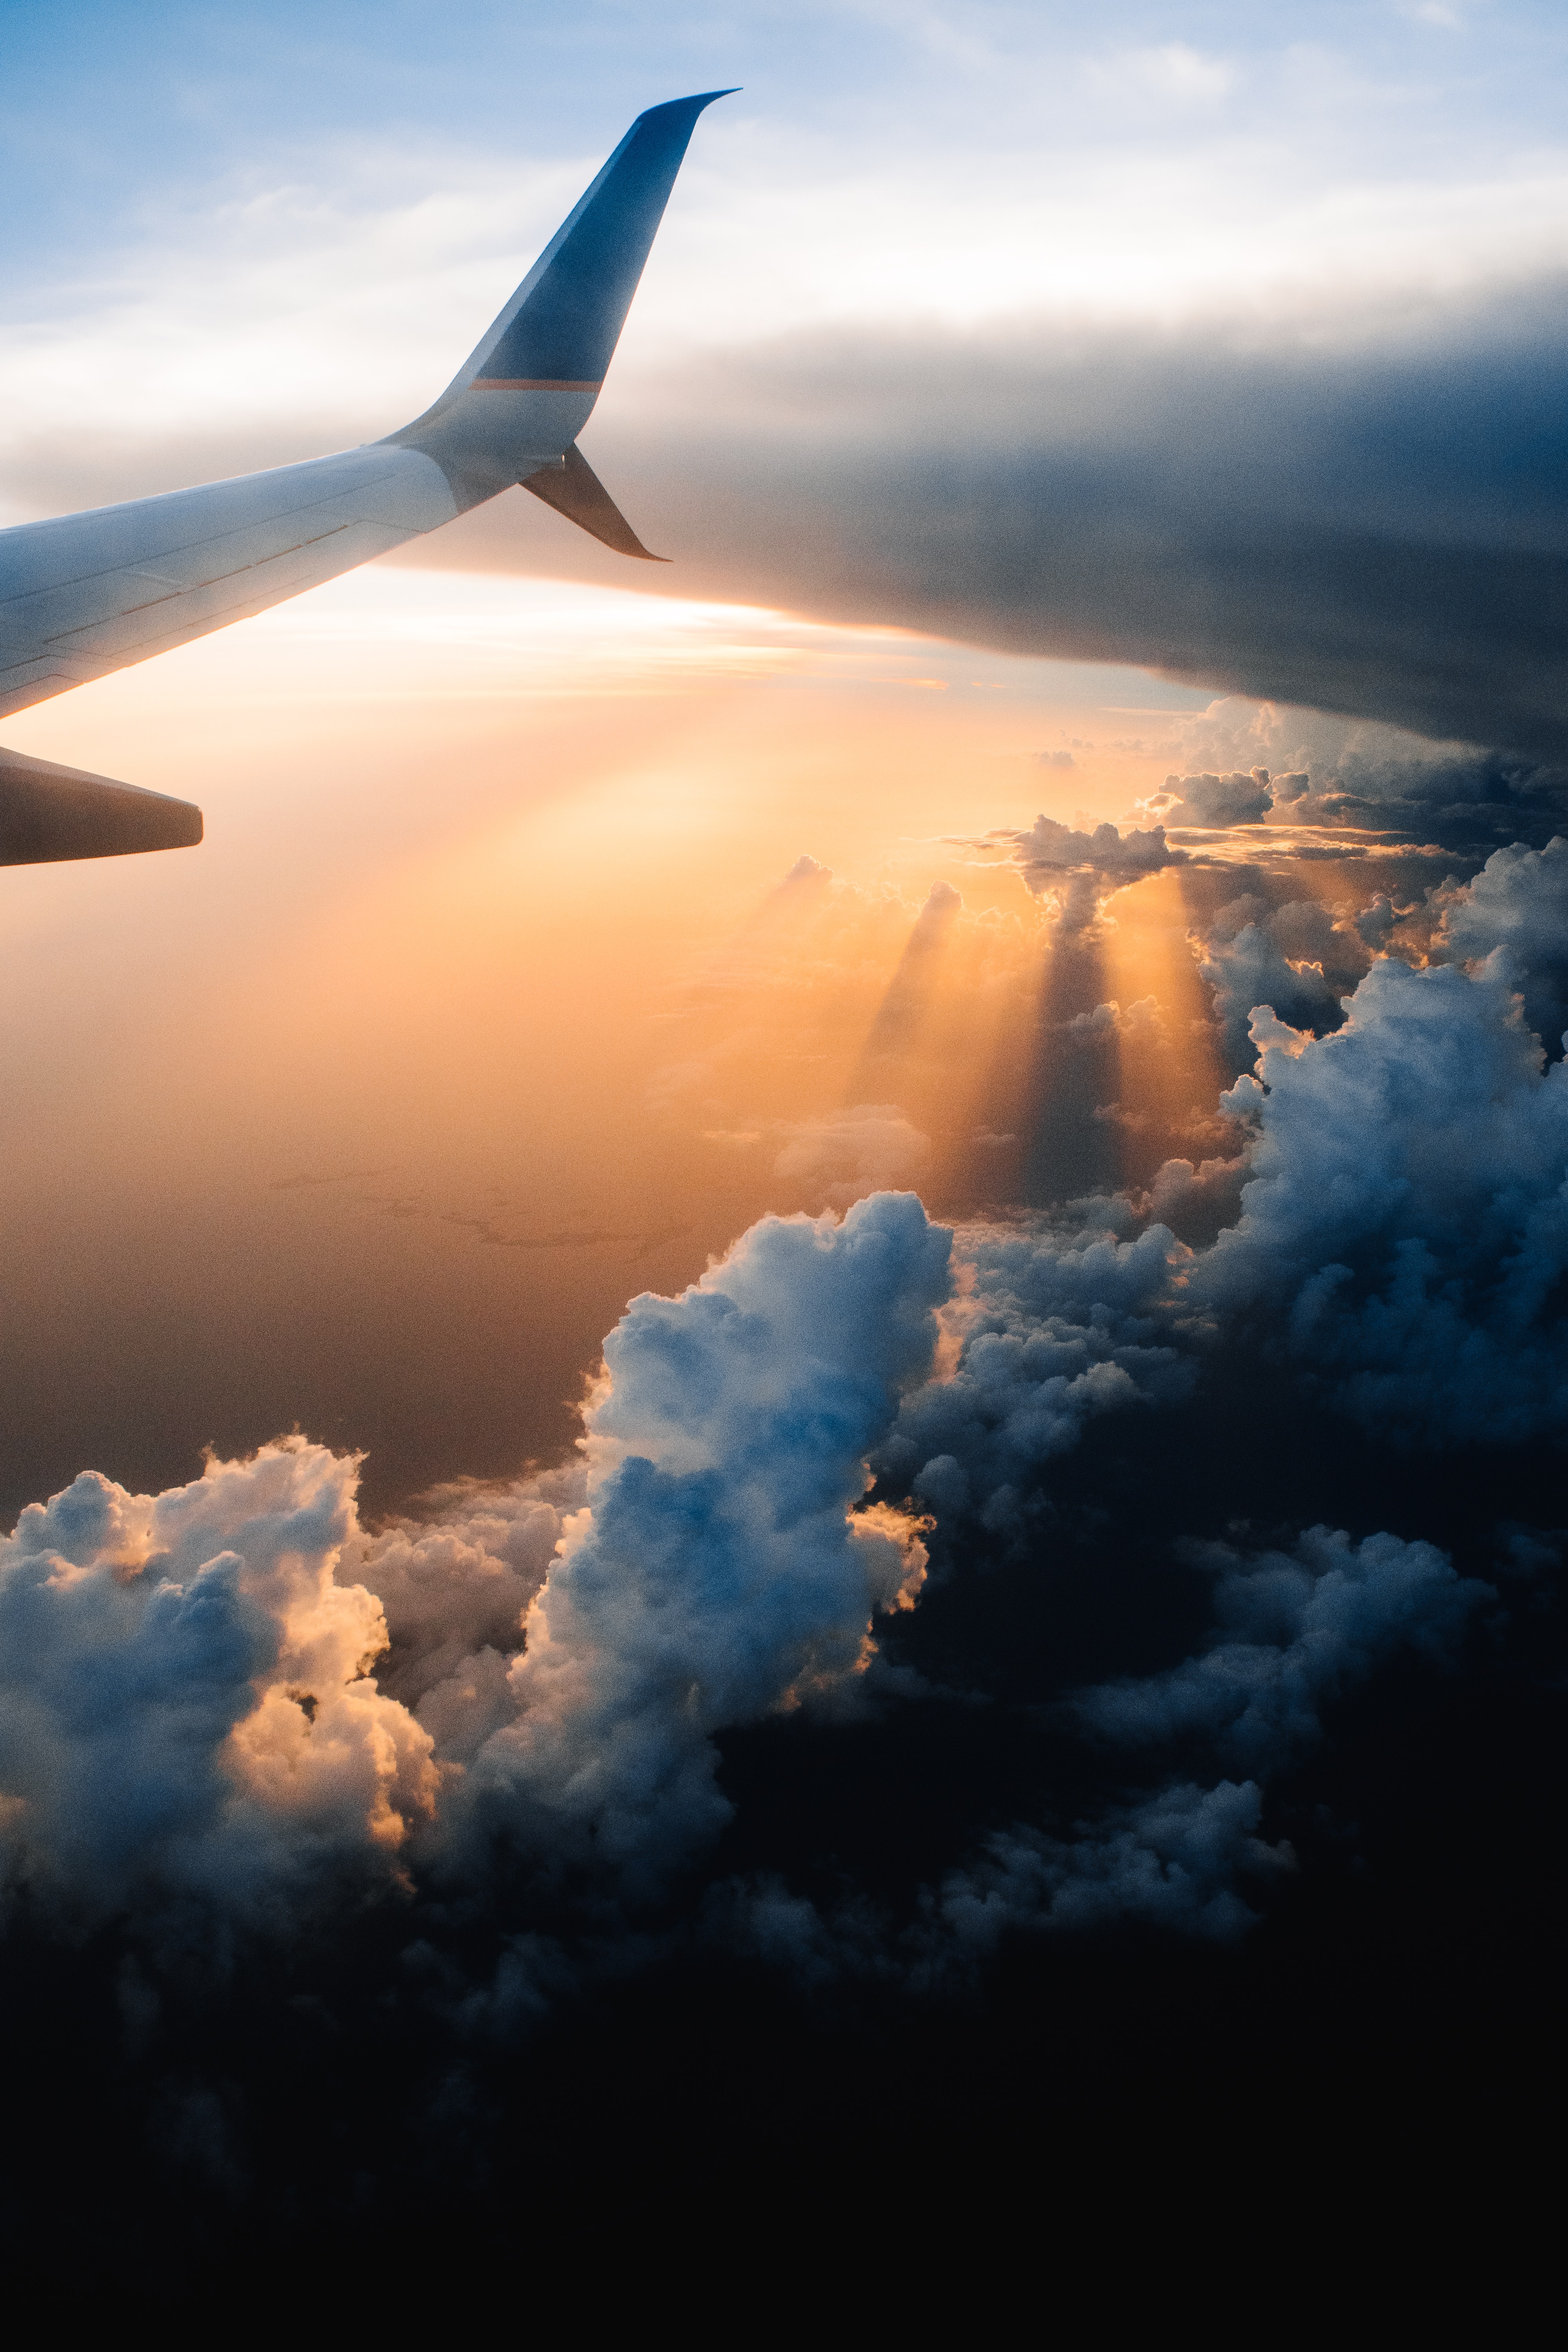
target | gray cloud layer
[{"x": 1367, "y": 522}]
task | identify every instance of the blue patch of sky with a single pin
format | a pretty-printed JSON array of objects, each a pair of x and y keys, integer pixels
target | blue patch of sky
[{"x": 108, "y": 110}]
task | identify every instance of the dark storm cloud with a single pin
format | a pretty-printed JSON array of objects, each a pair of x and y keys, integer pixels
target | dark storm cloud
[
  {"x": 1363, "y": 520},
  {"x": 1335, "y": 512},
  {"x": 1464, "y": 799}
]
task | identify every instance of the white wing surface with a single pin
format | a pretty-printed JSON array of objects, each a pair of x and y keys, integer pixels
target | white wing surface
[{"x": 91, "y": 593}]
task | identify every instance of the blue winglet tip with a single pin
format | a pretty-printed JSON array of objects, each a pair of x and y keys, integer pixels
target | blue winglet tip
[{"x": 698, "y": 99}]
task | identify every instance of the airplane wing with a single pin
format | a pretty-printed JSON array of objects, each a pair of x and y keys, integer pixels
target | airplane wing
[
  {"x": 48, "y": 813},
  {"x": 87, "y": 593}
]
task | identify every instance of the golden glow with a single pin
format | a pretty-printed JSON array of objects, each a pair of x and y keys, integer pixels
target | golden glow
[{"x": 487, "y": 1001}]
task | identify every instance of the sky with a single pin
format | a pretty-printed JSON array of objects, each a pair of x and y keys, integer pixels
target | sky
[{"x": 783, "y": 1364}]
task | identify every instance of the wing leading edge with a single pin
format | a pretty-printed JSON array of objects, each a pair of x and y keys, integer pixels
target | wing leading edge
[{"x": 88, "y": 594}]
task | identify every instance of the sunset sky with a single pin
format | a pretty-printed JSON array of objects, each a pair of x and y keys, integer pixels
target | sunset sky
[
  {"x": 1055, "y": 420},
  {"x": 481, "y": 851}
]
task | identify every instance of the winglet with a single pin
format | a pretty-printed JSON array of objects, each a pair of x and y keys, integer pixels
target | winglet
[
  {"x": 575, "y": 490},
  {"x": 559, "y": 330},
  {"x": 49, "y": 813},
  {"x": 523, "y": 396}
]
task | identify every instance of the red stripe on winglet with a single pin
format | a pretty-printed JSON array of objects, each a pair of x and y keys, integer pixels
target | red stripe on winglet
[{"x": 527, "y": 384}]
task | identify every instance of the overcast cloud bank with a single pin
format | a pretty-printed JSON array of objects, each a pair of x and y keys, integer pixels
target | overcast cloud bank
[{"x": 1316, "y": 514}]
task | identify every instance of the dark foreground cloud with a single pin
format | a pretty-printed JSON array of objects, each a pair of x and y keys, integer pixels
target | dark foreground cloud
[
  {"x": 193, "y": 1714},
  {"x": 1035, "y": 1614}
]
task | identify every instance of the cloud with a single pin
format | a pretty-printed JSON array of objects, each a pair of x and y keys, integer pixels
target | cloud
[
  {"x": 1051, "y": 1330},
  {"x": 1298, "y": 455},
  {"x": 1181, "y": 1861},
  {"x": 1194, "y": 1202},
  {"x": 1395, "y": 1228},
  {"x": 1295, "y": 1632},
  {"x": 1295, "y": 958},
  {"x": 193, "y": 1731},
  {"x": 1358, "y": 774},
  {"x": 191, "y": 1711},
  {"x": 1305, "y": 515},
  {"x": 231, "y": 1701},
  {"x": 454, "y": 1587},
  {"x": 1309, "y": 512},
  {"x": 232, "y": 1697},
  {"x": 719, "y": 1571},
  {"x": 1511, "y": 919},
  {"x": 187, "y": 1713},
  {"x": 1141, "y": 1019},
  {"x": 1210, "y": 799},
  {"x": 1174, "y": 74},
  {"x": 1309, "y": 516},
  {"x": 1406, "y": 1218},
  {"x": 187, "y": 1710},
  {"x": 1077, "y": 871},
  {"x": 843, "y": 1155},
  {"x": 1049, "y": 850}
]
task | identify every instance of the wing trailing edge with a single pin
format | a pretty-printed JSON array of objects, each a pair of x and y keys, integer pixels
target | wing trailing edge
[{"x": 49, "y": 813}]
